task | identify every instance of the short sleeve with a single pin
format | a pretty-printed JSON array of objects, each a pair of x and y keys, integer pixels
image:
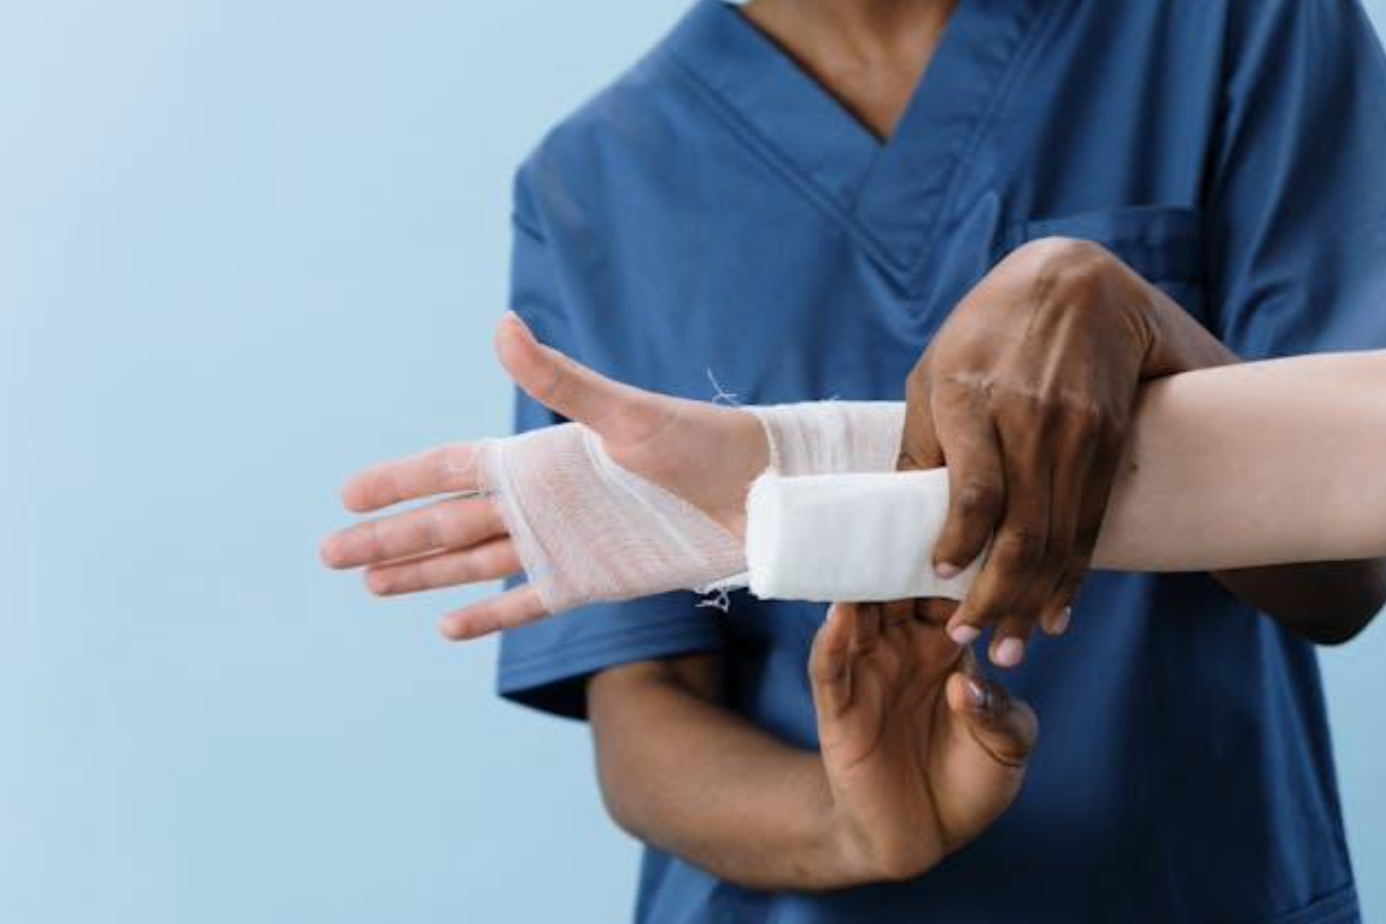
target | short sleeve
[
  {"x": 546, "y": 664},
  {"x": 1295, "y": 210}
]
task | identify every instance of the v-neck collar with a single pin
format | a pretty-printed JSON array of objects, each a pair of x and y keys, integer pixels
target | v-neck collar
[{"x": 891, "y": 194}]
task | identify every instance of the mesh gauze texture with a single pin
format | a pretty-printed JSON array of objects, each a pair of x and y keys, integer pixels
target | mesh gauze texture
[
  {"x": 588, "y": 530},
  {"x": 831, "y": 437}
]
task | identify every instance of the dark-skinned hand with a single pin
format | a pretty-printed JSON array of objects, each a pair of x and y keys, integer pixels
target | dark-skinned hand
[{"x": 1026, "y": 394}]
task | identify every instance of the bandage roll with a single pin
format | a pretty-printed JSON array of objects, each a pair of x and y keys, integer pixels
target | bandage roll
[{"x": 849, "y": 537}]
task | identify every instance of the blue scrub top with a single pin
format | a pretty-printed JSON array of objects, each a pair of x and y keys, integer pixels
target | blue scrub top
[{"x": 715, "y": 213}]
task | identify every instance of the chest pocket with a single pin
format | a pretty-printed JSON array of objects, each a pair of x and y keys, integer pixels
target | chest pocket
[{"x": 1164, "y": 244}]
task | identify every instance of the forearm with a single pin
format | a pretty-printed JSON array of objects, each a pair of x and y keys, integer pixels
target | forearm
[
  {"x": 690, "y": 777},
  {"x": 1278, "y": 463},
  {"x": 1254, "y": 464}
]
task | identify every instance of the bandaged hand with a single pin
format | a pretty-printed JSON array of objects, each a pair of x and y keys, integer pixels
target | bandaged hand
[{"x": 639, "y": 494}]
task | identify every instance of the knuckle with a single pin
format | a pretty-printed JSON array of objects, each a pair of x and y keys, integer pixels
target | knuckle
[
  {"x": 1069, "y": 266},
  {"x": 1020, "y": 549},
  {"x": 917, "y": 384},
  {"x": 985, "y": 612},
  {"x": 978, "y": 499},
  {"x": 1089, "y": 416}
]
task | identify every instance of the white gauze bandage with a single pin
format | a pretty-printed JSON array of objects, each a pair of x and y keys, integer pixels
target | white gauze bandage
[
  {"x": 828, "y": 521},
  {"x": 833, "y": 520},
  {"x": 862, "y": 537},
  {"x": 587, "y": 530}
]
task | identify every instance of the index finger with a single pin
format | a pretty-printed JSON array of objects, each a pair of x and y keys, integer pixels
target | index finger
[{"x": 450, "y": 469}]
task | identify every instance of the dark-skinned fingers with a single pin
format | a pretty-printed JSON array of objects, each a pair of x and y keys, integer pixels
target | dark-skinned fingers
[
  {"x": 934, "y": 611},
  {"x": 934, "y": 653},
  {"x": 1011, "y": 581},
  {"x": 490, "y": 561},
  {"x": 897, "y": 618},
  {"x": 1007, "y": 648},
  {"x": 1058, "y": 612},
  {"x": 1067, "y": 552},
  {"x": 1005, "y": 728},
  {"x": 830, "y": 672},
  {"x": 1018, "y": 573},
  {"x": 978, "y": 486},
  {"x": 866, "y": 630}
]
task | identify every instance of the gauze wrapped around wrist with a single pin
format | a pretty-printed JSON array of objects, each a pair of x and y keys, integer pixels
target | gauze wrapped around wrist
[
  {"x": 860, "y": 536},
  {"x": 825, "y": 522},
  {"x": 587, "y": 530},
  {"x": 832, "y": 437}
]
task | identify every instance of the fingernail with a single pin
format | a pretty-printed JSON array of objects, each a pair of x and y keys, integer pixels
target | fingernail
[
  {"x": 1062, "y": 620},
  {"x": 1009, "y": 652},
  {"x": 976, "y": 695},
  {"x": 947, "y": 570},
  {"x": 964, "y": 634}
]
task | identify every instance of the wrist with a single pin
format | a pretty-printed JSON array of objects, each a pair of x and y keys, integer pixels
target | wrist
[
  {"x": 831, "y": 852},
  {"x": 1176, "y": 342}
]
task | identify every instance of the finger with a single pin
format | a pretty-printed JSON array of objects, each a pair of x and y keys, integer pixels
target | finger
[
  {"x": 455, "y": 523},
  {"x": 867, "y": 629},
  {"x": 1070, "y": 542},
  {"x": 450, "y": 469},
  {"x": 935, "y": 654},
  {"x": 897, "y": 618},
  {"x": 934, "y": 611},
  {"x": 1008, "y": 642},
  {"x": 1011, "y": 582},
  {"x": 829, "y": 660},
  {"x": 490, "y": 561},
  {"x": 1005, "y": 728},
  {"x": 977, "y": 486},
  {"x": 515, "y": 607},
  {"x": 1107, "y": 453},
  {"x": 567, "y": 387},
  {"x": 1058, "y": 614}
]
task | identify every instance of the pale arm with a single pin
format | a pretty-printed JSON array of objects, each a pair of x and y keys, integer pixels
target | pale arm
[
  {"x": 1250, "y": 465},
  {"x": 1254, "y": 464}
]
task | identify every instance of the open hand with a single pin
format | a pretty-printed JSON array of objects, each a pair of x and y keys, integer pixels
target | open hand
[
  {"x": 460, "y": 538},
  {"x": 921, "y": 753}
]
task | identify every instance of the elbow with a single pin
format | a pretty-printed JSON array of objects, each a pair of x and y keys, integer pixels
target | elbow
[
  {"x": 1354, "y": 608},
  {"x": 622, "y": 807},
  {"x": 1330, "y": 635}
]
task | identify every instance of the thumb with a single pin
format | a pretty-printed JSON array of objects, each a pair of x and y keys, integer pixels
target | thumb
[
  {"x": 557, "y": 381},
  {"x": 829, "y": 660},
  {"x": 1005, "y": 728}
]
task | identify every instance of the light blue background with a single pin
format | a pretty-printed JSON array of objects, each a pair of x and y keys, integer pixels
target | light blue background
[{"x": 246, "y": 247}]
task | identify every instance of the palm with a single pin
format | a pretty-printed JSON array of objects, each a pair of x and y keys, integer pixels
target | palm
[
  {"x": 907, "y": 769},
  {"x": 667, "y": 440}
]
